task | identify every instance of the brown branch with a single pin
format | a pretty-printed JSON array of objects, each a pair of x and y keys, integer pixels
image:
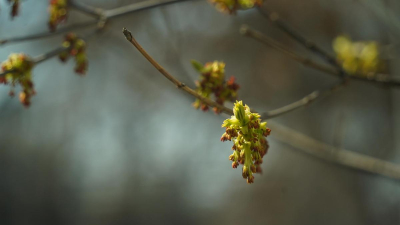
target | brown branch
[
  {"x": 333, "y": 154},
  {"x": 176, "y": 82},
  {"x": 40, "y": 58},
  {"x": 90, "y": 10},
  {"x": 308, "y": 44},
  {"x": 247, "y": 31},
  {"x": 371, "y": 77},
  {"x": 120, "y": 11},
  {"x": 267, "y": 115},
  {"x": 105, "y": 15},
  {"x": 307, "y": 100},
  {"x": 48, "y": 34},
  {"x": 46, "y": 56}
]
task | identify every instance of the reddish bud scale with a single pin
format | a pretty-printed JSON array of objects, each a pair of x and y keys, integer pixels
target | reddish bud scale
[
  {"x": 58, "y": 11},
  {"x": 15, "y": 8},
  {"x": 77, "y": 50},
  {"x": 235, "y": 165},
  {"x": 258, "y": 169},
  {"x": 212, "y": 82}
]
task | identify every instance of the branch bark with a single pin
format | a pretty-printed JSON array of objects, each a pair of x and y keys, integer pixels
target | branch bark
[
  {"x": 104, "y": 16},
  {"x": 372, "y": 77},
  {"x": 166, "y": 74},
  {"x": 267, "y": 115},
  {"x": 307, "y": 100},
  {"x": 90, "y": 10},
  {"x": 46, "y": 56},
  {"x": 308, "y": 44}
]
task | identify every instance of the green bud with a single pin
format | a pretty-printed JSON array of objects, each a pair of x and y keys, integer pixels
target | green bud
[
  {"x": 197, "y": 66},
  {"x": 239, "y": 112}
]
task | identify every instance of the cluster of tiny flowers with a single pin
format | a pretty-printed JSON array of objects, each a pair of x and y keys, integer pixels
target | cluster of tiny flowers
[
  {"x": 58, "y": 10},
  {"x": 231, "y": 6},
  {"x": 20, "y": 72},
  {"x": 357, "y": 57},
  {"x": 76, "y": 48},
  {"x": 248, "y": 134},
  {"x": 212, "y": 81},
  {"x": 14, "y": 7}
]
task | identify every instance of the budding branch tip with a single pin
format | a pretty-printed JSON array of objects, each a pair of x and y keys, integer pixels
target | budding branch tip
[{"x": 127, "y": 33}]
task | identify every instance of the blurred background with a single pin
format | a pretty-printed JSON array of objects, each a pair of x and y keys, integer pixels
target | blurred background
[{"x": 124, "y": 146}]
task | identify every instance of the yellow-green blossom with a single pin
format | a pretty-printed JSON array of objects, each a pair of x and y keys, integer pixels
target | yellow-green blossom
[
  {"x": 360, "y": 58},
  {"x": 19, "y": 67},
  {"x": 248, "y": 134}
]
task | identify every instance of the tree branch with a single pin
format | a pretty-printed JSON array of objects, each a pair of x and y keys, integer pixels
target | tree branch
[
  {"x": 105, "y": 15},
  {"x": 247, "y": 31},
  {"x": 48, "y": 34},
  {"x": 333, "y": 154},
  {"x": 90, "y": 10},
  {"x": 43, "y": 57},
  {"x": 267, "y": 115},
  {"x": 308, "y": 44},
  {"x": 371, "y": 77},
  {"x": 307, "y": 100},
  {"x": 176, "y": 82},
  {"x": 120, "y": 11}
]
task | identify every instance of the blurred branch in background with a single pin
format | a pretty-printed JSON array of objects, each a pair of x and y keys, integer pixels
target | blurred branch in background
[
  {"x": 90, "y": 10},
  {"x": 101, "y": 14},
  {"x": 275, "y": 19},
  {"x": 45, "y": 56},
  {"x": 384, "y": 79},
  {"x": 339, "y": 156}
]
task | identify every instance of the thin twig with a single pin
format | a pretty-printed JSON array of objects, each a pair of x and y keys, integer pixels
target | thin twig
[
  {"x": 371, "y": 77},
  {"x": 267, "y": 115},
  {"x": 176, "y": 82},
  {"x": 275, "y": 19},
  {"x": 48, "y": 34},
  {"x": 90, "y": 10},
  {"x": 40, "y": 58},
  {"x": 43, "y": 57},
  {"x": 247, "y": 31},
  {"x": 106, "y": 15},
  {"x": 120, "y": 11},
  {"x": 307, "y": 100},
  {"x": 333, "y": 154}
]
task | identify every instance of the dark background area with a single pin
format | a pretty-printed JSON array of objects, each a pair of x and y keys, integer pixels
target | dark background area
[{"x": 123, "y": 146}]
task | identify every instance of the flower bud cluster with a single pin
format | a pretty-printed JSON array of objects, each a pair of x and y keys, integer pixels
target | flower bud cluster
[
  {"x": 248, "y": 134},
  {"x": 76, "y": 48},
  {"x": 357, "y": 57},
  {"x": 58, "y": 11},
  {"x": 212, "y": 82},
  {"x": 20, "y": 72},
  {"x": 14, "y": 7},
  {"x": 231, "y": 6}
]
